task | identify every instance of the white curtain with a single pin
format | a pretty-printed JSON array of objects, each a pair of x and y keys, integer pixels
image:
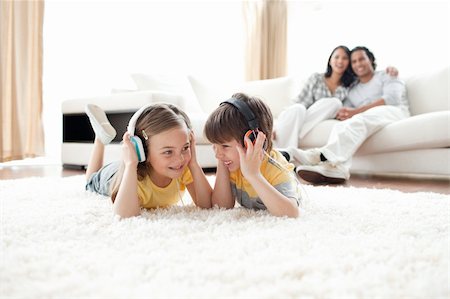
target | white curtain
[{"x": 266, "y": 33}]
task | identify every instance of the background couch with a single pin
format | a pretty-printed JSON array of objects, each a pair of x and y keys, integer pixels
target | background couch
[{"x": 418, "y": 146}]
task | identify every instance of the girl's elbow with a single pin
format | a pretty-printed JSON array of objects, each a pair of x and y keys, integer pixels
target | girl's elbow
[
  {"x": 205, "y": 205},
  {"x": 294, "y": 213},
  {"x": 221, "y": 204},
  {"x": 126, "y": 214}
]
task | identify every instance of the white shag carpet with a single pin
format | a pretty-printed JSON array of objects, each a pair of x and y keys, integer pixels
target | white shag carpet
[{"x": 59, "y": 241}]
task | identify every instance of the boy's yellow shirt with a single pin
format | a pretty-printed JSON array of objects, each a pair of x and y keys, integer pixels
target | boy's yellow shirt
[{"x": 276, "y": 170}]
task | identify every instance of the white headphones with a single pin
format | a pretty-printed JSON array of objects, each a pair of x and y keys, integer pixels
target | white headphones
[{"x": 136, "y": 140}]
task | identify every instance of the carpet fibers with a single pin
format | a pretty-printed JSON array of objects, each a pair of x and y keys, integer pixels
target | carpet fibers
[{"x": 59, "y": 241}]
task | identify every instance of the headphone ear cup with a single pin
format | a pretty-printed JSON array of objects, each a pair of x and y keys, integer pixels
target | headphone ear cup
[
  {"x": 251, "y": 134},
  {"x": 139, "y": 147}
]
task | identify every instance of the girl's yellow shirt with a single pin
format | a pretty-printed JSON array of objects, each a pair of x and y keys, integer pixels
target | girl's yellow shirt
[{"x": 152, "y": 196}]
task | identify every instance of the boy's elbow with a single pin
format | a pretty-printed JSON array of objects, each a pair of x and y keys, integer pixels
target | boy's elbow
[{"x": 292, "y": 211}]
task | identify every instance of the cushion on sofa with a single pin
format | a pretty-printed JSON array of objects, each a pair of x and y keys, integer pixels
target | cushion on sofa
[
  {"x": 198, "y": 121},
  {"x": 424, "y": 131},
  {"x": 277, "y": 93},
  {"x": 318, "y": 136},
  {"x": 177, "y": 84},
  {"x": 429, "y": 92}
]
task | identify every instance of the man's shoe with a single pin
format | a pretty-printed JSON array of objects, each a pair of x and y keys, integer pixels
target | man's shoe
[
  {"x": 100, "y": 124},
  {"x": 286, "y": 155},
  {"x": 323, "y": 173},
  {"x": 302, "y": 157}
]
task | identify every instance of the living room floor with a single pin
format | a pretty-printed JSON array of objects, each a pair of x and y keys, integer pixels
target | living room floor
[{"x": 362, "y": 181}]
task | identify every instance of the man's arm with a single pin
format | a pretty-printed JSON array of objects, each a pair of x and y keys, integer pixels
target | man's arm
[
  {"x": 392, "y": 90},
  {"x": 347, "y": 112}
]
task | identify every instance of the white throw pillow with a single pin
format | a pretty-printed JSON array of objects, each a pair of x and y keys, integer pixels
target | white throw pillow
[
  {"x": 428, "y": 92},
  {"x": 170, "y": 83},
  {"x": 211, "y": 94},
  {"x": 277, "y": 93}
]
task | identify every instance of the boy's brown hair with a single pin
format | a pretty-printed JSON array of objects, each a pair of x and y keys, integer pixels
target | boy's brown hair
[{"x": 227, "y": 122}]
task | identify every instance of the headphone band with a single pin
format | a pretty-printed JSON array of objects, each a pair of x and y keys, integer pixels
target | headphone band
[
  {"x": 132, "y": 123},
  {"x": 245, "y": 110}
]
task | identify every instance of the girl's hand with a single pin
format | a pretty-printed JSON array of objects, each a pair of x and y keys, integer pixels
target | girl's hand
[
  {"x": 193, "y": 160},
  {"x": 129, "y": 155},
  {"x": 251, "y": 158}
]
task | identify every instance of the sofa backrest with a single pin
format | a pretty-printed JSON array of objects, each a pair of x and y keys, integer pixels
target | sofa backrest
[
  {"x": 426, "y": 92},
  {"x": 429, "y": 92}
]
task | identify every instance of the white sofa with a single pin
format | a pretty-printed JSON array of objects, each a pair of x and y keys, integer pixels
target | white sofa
[{"x": 415, "y": 147}]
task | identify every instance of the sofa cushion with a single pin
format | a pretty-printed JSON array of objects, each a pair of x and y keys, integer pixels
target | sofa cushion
[
  {"x": 277, "y": 93},
  {"x": 429, "y": 92},
  {"x": 318, "y": 136},
  {"x": 198, "y": 121},
  {"x": 170, "y": 83},
  {"x": 430, "y": 130},
  {"x": 424, "y": 131},
  {"x": 424, "y": 163}
]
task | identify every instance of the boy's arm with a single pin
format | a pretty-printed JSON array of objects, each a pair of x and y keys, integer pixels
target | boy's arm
[
  {"x": 200, "y": 189},
  {"x": 126, "y": 203},
  {"x": 276, "y": 203},
  {"x": 222, "y": 195}
]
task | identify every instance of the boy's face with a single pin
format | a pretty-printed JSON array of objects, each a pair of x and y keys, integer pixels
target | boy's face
[{"x": 227, "y": 154}]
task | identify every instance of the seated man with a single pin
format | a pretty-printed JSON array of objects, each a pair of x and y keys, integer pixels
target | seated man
[{"x": 375, "y": 101}]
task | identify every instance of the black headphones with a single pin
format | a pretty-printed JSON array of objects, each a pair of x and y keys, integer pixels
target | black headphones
[{"x": 250, "y": 117}]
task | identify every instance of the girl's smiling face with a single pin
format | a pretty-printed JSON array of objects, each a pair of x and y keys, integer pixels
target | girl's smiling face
[
  {"x": 227, "y": 154},
  {"x": 169, "y": 153}
]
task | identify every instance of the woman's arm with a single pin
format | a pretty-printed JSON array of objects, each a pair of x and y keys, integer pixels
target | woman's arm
[
  {"x": 200, "y": 189},
  {"x": 126, "y": 203},
  {"x": 276, "y": 203},
  {"x": 306, "y": 96}
]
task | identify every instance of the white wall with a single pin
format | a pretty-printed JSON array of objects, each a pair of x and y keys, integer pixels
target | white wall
[
  {"x": 411, "y": 35},
  {"x": 91, "y": 47}
]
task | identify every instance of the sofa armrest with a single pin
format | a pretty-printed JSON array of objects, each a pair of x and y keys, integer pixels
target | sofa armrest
[{"x": 127, "y": 101}]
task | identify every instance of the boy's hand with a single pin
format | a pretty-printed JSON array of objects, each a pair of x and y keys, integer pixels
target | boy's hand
[
  {"x": 129, "y": 155},
  {"x": 251, "y": 158}
]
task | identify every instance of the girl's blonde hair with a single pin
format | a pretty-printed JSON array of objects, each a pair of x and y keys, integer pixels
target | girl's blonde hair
[{"x": 154, "y": 120}]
